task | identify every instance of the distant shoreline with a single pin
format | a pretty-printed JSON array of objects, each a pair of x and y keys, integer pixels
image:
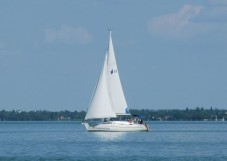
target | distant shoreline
[{"x": 197, "y": 114}]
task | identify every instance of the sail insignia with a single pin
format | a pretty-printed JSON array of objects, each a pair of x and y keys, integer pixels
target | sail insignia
[{"x": 113, "y": 71}]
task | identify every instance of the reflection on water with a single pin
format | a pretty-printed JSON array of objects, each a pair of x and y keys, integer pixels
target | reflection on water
[
  {"x": 109, "y": 143},
  {"x": 110, "y": 136}
]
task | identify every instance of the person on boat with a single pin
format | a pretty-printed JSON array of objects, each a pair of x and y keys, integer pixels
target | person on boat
[{"x": 141, "y": 121}]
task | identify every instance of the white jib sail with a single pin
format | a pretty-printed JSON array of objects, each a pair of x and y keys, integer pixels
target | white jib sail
[
  {"x": 116, "y": 93},
  {"x": 100, "y": 106}
]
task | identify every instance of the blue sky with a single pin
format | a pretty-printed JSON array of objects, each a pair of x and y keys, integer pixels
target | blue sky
[{"x": 170, "y": 54}]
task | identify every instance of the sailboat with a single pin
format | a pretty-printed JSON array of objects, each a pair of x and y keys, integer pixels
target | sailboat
[{"x": 108, "y": 105}]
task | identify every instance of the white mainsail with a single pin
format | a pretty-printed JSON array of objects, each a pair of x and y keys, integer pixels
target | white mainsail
[
  {"x": 108, "y": 99},
  {"x": 100, "y": 106},
  {"x": 116, "y": 93}
]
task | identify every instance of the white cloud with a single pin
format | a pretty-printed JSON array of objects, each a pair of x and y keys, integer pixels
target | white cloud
[
  {"x": 67, "y": 34},
  {"x": 175, "y": 24}
]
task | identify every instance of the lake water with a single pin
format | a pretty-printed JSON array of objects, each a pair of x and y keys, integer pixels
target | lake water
[{"x": 66, "y": 141}]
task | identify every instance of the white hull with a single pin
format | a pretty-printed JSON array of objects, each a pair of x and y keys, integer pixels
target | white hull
[{"x": 115, "y": 126}]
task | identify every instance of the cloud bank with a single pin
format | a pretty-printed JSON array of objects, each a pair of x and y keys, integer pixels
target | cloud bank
[
  {"x": 175, "y": 24},
  {"x": 67, "y": 34}
]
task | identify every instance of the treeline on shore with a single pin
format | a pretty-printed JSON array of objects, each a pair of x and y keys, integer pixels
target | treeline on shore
[{"x": 197, "y": 114}]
